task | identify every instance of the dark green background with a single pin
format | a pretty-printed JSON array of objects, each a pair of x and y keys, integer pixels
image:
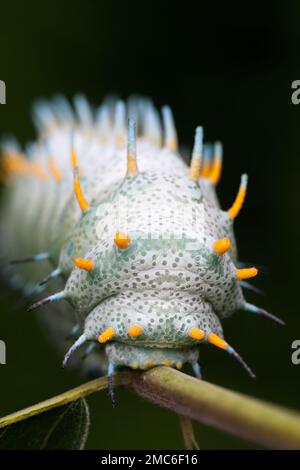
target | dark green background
[{"x": 227, "y": 68}]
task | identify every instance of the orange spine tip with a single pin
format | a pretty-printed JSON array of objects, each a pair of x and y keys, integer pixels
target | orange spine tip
[
  {"x": 19, "y": 164},
  {"x": 84, "y": 205},
  {"x": 120, "y": 141},
  {"x": 217, "y": 341},
  {"x": 74, "y": 161},
  {"x": 195, "y": 166},
  {"x": 206, "y": 167},
  {"x": 39, "y": 171},
  {"x": 172, "y": 145},
  {"x": 194, "y": 171},
  {"x": 196, "y": 333},
  {"x": 132, "y": 168},
  {"x": 215, "y": 172},
  {"x": 83, "y": 263},
  {"x": 122, "y": 241},
  {"x": 246, "y": 273},
  {"x": 54, "y": 170},
  {"x": 106, "y": 335},
  {"x": 170, "y": 140},
  {"x": 216, "y": 169},
  {"x": 239, "y": 200},
  {"x": 221, "y": 246},
  {"x": 135, "y": 330},
  {"x": 12, "y": 165}
]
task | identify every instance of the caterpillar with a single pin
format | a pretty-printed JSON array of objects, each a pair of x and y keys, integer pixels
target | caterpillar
[{"x": 104, "y": 208}]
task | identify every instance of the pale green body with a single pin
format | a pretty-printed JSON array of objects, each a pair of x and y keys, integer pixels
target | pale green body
[{"x": 168, "y": 280}]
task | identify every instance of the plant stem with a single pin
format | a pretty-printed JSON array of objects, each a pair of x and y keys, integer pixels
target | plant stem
[
  {"x": 245, "y": 417},
  {"x": 64, "y": 398},
  {"x": 188, "y": 435}
]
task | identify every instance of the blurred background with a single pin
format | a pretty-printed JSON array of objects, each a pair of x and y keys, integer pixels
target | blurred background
[{"x": 229, "y": 69}]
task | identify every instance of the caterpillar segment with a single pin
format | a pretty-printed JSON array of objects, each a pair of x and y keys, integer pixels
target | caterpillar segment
[{"x": 134, "y": 241}]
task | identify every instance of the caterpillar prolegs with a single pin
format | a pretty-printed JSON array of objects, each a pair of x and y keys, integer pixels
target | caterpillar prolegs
[{"x": 110, "y": 219}]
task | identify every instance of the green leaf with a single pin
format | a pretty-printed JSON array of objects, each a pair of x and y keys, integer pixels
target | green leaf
[{"x": 62, "y": 428}]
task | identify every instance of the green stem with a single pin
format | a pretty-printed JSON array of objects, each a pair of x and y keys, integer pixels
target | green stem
[
  {"x": 188, "y": 435},
  {"x": 243, "y": 416},
  {"x": 64, "y": 398}
]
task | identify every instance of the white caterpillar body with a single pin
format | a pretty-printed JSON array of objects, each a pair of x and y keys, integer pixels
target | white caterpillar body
[{"x": 142, "y": 252}]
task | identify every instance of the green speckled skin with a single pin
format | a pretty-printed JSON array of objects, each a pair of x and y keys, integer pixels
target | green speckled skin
[{"x": 167, "y": 281}]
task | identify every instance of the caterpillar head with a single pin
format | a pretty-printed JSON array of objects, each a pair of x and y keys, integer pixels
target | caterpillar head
[{"x": 160, "y": 272}]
